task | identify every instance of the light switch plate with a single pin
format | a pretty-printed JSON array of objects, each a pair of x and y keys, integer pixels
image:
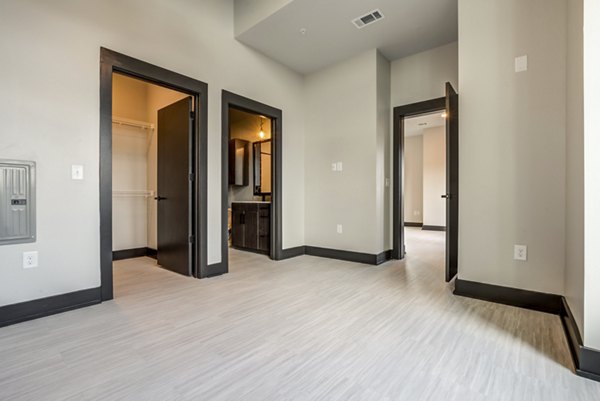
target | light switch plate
[
  {"x": 77, "y": 172},
  {"x": 334, "y": 166},
  {"x": 340, "y": 166},
  {"x": 340, "y": 229},
  {"x": 521, "y": 63}
]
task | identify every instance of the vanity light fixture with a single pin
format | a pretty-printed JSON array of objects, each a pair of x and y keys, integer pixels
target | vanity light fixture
[{"x": 261, "y": 134}]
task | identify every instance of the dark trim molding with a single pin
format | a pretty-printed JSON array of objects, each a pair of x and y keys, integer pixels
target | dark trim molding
[
  {"x": 400, "y": 113},
  {"x": 539, "y": 301},
  {"x": 293, "y": 252},
  {"x": 433, "y": 228},
  {"x": 110, "y": 62},
  {"x": 350, "y": 256},
  {"x": 232, "y": 100},
  {"x": 407, "y": 224},
  {"x": 16, "y": 313},
  {"x": 586, "y": 360},
  {"x": 134, "y": 253}
]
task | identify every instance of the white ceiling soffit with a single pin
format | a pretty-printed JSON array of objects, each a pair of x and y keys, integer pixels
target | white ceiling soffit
[
  {"x": 307, "y": 35},
  {"x": 414, "y": 126}
]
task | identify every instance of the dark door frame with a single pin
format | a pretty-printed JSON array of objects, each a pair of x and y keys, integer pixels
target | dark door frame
[
  {"x": 400, "y": 113},
  {"x": 111, "y": 62},
  {"x": 231, "y": 100}
]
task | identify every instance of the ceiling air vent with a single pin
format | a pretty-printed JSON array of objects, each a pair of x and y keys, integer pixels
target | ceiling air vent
[{"x": 367, "y": 19}]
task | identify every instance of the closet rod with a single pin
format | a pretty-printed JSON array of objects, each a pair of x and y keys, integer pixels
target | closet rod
[{"x": 132, "y": 123}]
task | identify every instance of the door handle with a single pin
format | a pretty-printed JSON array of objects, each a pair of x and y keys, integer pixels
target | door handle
[
  {"x": 447, "y": 196},
  {"x": 159, "y": 198}
]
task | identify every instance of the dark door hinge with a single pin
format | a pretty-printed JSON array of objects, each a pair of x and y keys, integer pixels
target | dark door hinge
[
  {"x": 192, "y": 177},
  {"x": 192, "y": 239},
  {"x": 192, "y": 114}
]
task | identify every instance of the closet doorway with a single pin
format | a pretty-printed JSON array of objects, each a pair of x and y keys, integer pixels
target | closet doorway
[{"x": 152, "y": 167}]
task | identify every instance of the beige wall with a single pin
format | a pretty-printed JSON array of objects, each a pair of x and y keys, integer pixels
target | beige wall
[
  {"x": 423, "y": 76},
  {"x": 434, "y": 176},
  {"x": 341, "y": 126},
  {"x": 192, "y": 38},
  {"x": 413, "y": 179},
  {"x": 512, "y": 142},
  {"x": 574, "y": 266},
  {"x": 591, "y": 52}
]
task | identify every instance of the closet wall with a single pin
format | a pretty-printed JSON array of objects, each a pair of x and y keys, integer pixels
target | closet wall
[{"x": 135, "y": 160}]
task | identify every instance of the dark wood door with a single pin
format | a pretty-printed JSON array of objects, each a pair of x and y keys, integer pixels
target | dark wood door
[
  {"x": 174, "y": 192},
  {"x": 451, "y": 182}
]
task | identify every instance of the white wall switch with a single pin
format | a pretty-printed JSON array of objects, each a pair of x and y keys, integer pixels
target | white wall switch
[
  {"x": 521, "y": 63},
  {"x": 520, "y": 252},
  {"x": 334, "y": 166},
  {"x": 77, "y": 172},
  {"x": 340, "y": 167},
  {"x": 340, "y": 229},
  {"x": 30, "y": 259}
]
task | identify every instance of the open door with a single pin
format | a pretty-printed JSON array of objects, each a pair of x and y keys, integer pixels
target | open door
[
  {"x": 174, "y": 189},
  {"x": 451, "y": 182}
]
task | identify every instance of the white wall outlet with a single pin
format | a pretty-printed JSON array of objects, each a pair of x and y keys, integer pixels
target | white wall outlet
[
  {"x": 334, "y": 166},
  {"x": 340, "y": 229},
  {"x": 417, "y": 212},
  {"x": 521, "y": 63},
  {"x": 77, "y": 172},
  {"x": 387, "y": 182},
  {"x": 520, "y": 252},
  {"x": 340, "y": 166},
  {"x": 30, "y": 259}
]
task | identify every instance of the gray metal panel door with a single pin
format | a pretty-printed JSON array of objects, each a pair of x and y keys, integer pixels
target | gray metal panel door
[{"x": 174, "y": 192}]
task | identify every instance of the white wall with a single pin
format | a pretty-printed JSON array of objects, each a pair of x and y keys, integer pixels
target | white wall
[
  {"x": 65, "y": 36},
  {"x": 413, "y": 179},
  {"x": 591, "y": 53},
  {"x": 512, "y": 142},
  {"x": 341, "y": 125},
  {"x": 434, "y": 176},
  {"x": 423, "y": 76},
  {"x": 574, "y": 266}
]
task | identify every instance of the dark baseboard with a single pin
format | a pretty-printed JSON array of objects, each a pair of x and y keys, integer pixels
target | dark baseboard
[
  {"x": 433, "y": 228},
  {"x": 134, "y": 253},
  {"x": 383, "y": 257},
  {"x": 407, "y": 224},
  {"x": 23, "y": 311},
  {"x": 586, "y": 360},
  {"x": 293, "y": 252},
  {"x": 549, "y": 303},
  {"x": 350, "y": 256}
]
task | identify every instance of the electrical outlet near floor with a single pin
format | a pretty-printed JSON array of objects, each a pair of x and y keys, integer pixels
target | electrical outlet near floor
[
  {"x": 520, "y": 252},
  {"x": 30, "y": 259}
]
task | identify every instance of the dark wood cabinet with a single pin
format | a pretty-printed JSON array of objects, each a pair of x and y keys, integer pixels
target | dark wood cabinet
[
  {"x": 239, "y": 161},
  {"x": 251, "y": 226}
]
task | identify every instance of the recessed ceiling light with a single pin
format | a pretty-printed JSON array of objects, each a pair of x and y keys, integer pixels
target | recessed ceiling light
[{"x": 303, "y": 31}]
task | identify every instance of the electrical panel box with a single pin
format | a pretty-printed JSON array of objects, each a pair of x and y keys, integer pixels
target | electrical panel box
[{"x": 17, "y": 201}]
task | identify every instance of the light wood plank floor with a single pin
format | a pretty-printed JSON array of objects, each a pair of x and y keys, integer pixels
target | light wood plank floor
[{"x": 302, "y": 329}]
